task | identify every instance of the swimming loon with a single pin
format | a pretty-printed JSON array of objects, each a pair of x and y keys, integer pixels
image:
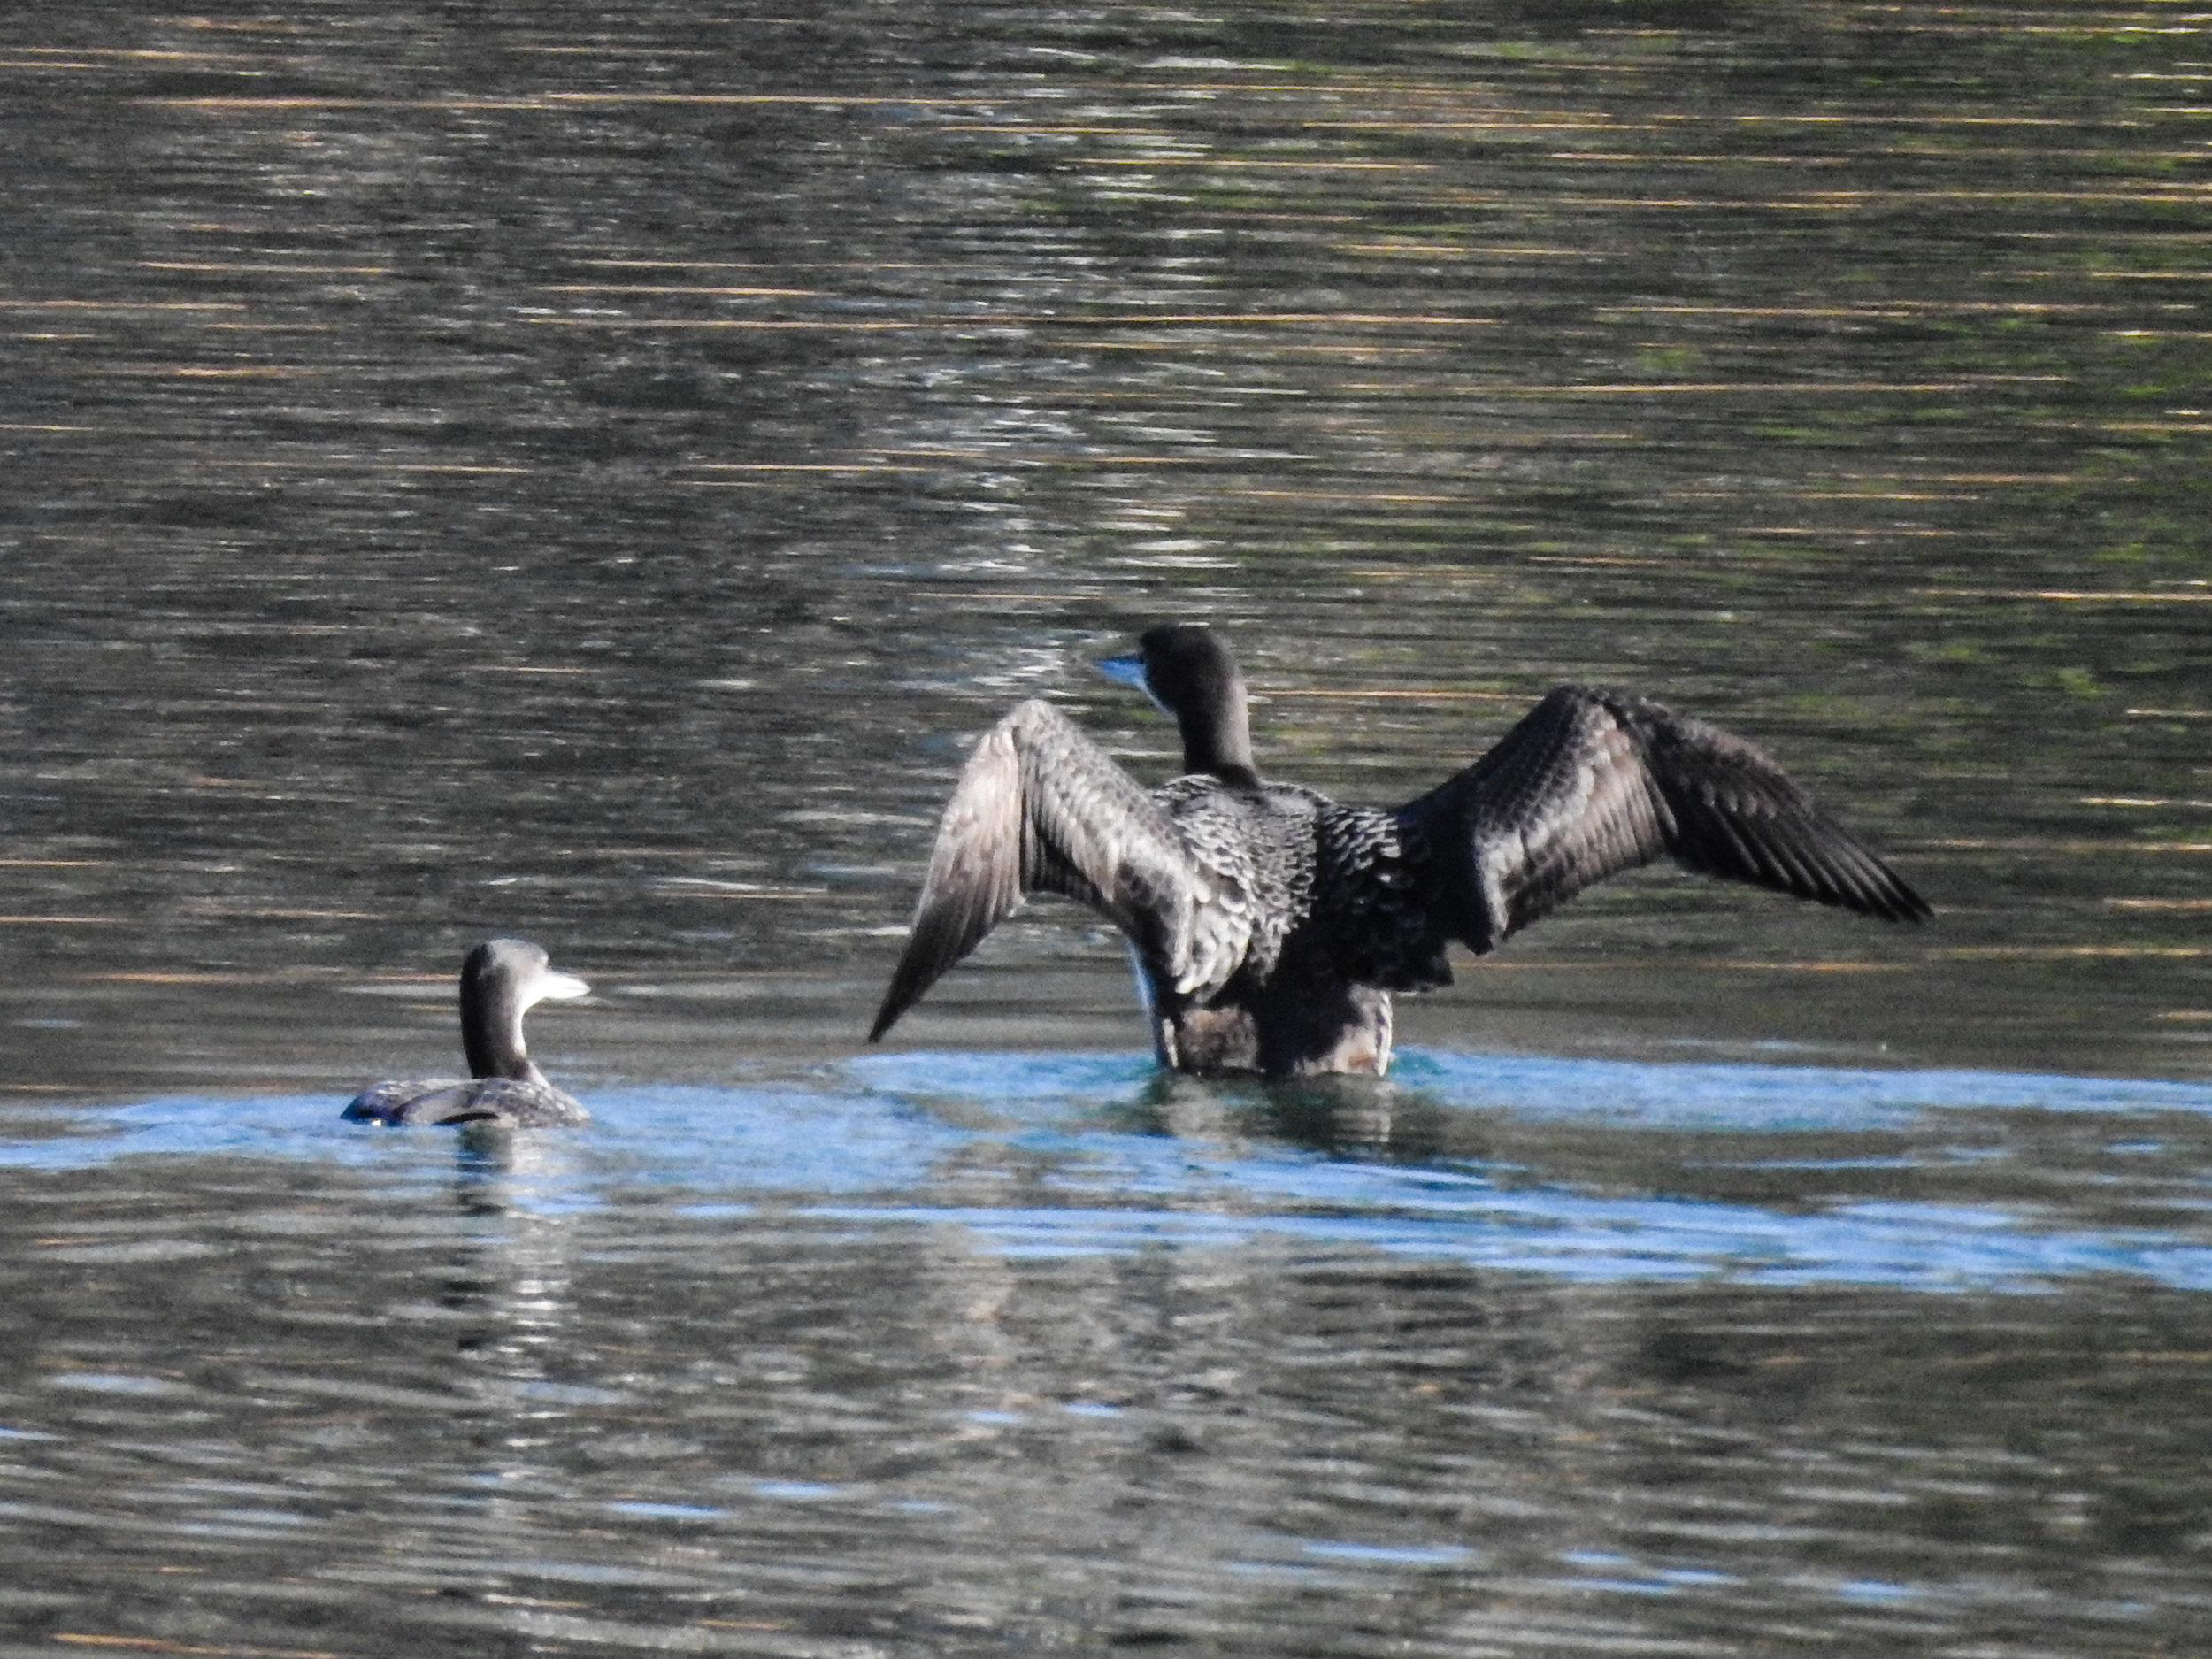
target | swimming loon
[
  {"x": 500, "y": 980},
  {"x": 1270, "y": 924}
]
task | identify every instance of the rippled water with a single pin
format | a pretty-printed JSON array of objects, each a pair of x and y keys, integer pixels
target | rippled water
[
  {"x": 959, "y": 1352},
  {"x": 587, "y": 473}
]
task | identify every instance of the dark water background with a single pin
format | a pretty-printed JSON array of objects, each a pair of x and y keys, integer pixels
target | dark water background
[{"x": 589, "y": 472}]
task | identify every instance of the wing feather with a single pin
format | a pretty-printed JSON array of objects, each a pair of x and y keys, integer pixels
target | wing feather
[
  {"x": 1592, "y": 783},
  {"x": 1041, "y": 808}
]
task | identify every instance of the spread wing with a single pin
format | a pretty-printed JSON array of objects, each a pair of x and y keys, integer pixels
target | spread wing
[
  {"x": 1591, "y": 783},
  {"x": 1040, "y": 808}
]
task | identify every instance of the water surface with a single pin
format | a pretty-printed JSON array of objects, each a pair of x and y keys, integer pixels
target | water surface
[{"x": 951, "y": 1353}]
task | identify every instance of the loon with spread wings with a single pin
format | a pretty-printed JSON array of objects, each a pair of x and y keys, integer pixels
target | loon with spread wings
[{"x": 1270, "y": 924}]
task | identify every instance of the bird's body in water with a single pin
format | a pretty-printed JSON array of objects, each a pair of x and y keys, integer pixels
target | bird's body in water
[
  {"x": 500, "y": 980},
  {"x": 1269, "y": 925}
]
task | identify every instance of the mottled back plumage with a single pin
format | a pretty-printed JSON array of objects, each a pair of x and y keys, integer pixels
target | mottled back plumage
[
  {"x": 518, "y": 1103},
  {"x": 1270, "y": 923}
]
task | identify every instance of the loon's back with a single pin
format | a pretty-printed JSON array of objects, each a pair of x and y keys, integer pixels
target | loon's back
[
  {"x": 1332, "y": 897},
  {"x": 520, "y": 1102}
]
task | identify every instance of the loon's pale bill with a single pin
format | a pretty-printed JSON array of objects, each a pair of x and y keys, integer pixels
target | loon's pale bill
[
  {"x": 558, "y": 988},
  {"x": 1128, "y": 670}
]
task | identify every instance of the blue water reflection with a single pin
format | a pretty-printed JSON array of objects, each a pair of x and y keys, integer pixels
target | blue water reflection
[
  {"x": 1771, "y": 1096},
  {"x": 1037, "y": 1155}
]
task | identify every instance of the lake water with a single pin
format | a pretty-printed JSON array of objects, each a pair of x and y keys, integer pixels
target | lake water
[{"x": 587, "y": 473}]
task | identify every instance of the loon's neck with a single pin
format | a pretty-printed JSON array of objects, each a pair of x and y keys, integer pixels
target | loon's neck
[
  {"x": 491, "y": 1031},
  {"x": 1217, "y": 739}
]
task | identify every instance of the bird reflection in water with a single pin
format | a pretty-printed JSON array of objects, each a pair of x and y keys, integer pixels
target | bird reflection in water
[{"x": 1342, "y": 1116}]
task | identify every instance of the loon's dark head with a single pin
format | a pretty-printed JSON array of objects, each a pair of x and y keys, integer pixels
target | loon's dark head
[
  {"x": 1190, "y": 675},
  {"x": 501, "y": 981}
]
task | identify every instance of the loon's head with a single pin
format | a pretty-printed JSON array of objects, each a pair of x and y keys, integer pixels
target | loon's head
[
  {"x": 502, "y": 980},
  {"x": 1190, "y": 677}
]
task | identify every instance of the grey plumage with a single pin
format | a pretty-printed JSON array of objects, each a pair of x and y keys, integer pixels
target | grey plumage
[
  {"x": 1271, "y": 923},
  {"x": 501, "y": 981},
  {"x": 520, "y": 1104}
]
